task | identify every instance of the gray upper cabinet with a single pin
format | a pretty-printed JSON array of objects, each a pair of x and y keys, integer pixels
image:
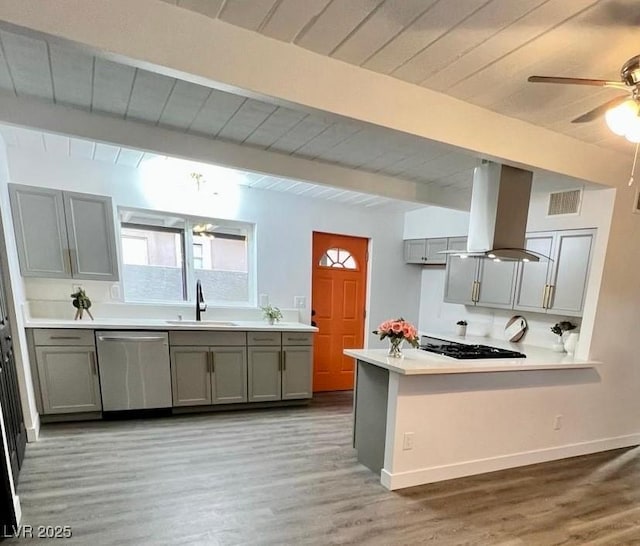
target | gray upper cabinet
[
  {"x": 533, "y": 277},
  {"x": 92, "y": 239},
  {"x": 557, "y": 286},
  {"x": 414, "y": 251},
  {"x": 474, "y": 281},
  {"x": 496, "y": 283},
  {"x": 570, "y": 272},
  {"x": 425, "y": 251},
  {"x": 41, "y": 233},
  {"x": 461, "y": 274},
  {"x": 63, "y": 234}
]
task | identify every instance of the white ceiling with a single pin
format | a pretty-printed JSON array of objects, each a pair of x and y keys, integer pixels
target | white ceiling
[
  {"x": 65, "y": 146},
  {"x": 480, "y": 51},
  {"x": 62, "y": 74}
]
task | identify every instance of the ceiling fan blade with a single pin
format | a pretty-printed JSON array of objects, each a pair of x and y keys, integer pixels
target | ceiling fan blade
[
  {"x": 576, "y": 81},
  {"x": 600, "y": 110}
]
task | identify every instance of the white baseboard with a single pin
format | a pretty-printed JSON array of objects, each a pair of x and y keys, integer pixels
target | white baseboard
[
  {"x": 400, "y": 480},
  {"x": 33, "y": 433},
  {"x": 17, "y": 508}
]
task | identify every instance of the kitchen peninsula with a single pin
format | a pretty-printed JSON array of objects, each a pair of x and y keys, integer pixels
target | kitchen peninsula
[{"x": 426, "y": 417}]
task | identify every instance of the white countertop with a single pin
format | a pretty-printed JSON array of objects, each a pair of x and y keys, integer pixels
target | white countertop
[
  {"x": 418, "y": 362},
  {"x": 160, "y": 324}
]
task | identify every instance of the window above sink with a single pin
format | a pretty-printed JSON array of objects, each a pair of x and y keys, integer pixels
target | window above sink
[{"x": 163, "y": 255}]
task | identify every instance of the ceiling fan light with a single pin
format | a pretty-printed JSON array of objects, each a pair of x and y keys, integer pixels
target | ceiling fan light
[
  {"x": 632, "y": 134},
  {"x": 620, "y": 118}
]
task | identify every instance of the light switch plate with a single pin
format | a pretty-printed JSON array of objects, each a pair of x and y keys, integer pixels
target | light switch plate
[
  {"x": 299, "y": 302},
  {"x": 264, "y": 300}
]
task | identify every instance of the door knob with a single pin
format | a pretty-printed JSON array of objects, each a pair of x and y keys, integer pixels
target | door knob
[
  {"x": 313, "y": 323},
  {"x": 313, "y": 312}
]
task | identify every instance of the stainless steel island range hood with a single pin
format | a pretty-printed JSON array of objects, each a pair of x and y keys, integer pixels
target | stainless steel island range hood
[{"x": 498, "y": 215}]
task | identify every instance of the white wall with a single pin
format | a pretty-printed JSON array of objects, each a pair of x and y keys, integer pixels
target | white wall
[
  {"x": 430, "y": 222},
  {"x": 437, "y": 316},
  {"x": 284, "y": 226}
]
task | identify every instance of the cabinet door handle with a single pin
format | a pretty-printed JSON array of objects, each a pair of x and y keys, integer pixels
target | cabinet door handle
[
  {"x": 65, "y": 337},
  {"x": 213, "y": 362},
  {"x": 94, "y": 368},
  {"x": 284, "y": 361},
  {"x": 551, "y": 293},
  {"x": 279, "y": 361},
  {"x": 545, "y": 292},
  {"x": 477, "y": 291}
]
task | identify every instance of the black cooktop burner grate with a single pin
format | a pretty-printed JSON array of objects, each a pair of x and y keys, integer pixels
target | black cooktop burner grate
[{"x": 461, "y": 351}]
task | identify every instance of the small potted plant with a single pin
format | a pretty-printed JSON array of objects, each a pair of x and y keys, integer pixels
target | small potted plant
[
  {"x": 271, "y": 314},
  {"x": 558, "y": 329},
  {"x": 461, "y": 328}
]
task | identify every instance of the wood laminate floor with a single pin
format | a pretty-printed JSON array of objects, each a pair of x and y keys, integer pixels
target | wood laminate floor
[{"x": 289, "y": 476}]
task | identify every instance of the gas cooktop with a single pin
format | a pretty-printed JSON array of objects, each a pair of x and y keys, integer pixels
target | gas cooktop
[{"x": 464, "y": 351}]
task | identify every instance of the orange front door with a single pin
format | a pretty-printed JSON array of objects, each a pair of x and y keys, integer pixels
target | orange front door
[{"x": 338, "y": 298}]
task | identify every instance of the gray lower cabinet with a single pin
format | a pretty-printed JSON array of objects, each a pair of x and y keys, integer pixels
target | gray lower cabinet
[
  {"x": 64, "y": 234},
  {"x": 68, "y": 379},
  {"x": 265, "y": 382},
  {"x": 281, "y": 367},
  {"x": 208, "y": 375},
  {"x": 296, "y": 372},
  {"x": 190, "y": 381},
  {"x": 229, "y": 375}
]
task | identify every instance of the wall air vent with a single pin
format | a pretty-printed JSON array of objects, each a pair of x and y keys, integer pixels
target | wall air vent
[{"x": 564, "y": 202}]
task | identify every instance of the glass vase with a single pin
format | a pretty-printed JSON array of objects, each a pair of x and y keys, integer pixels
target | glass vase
[{"x": 395, "y": 347}]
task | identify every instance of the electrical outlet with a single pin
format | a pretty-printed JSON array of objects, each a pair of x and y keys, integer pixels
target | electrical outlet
[
  {"x": 407, "y": 441},
  {"x": 115, "y": 292},
  {"x": 557, "y": 422},
  {"x": 264, "y": 300},
  {"x": 299, "y": 302}
]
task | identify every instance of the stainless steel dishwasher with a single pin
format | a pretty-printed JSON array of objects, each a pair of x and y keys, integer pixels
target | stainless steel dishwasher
[{"x": 134, "y": 370}]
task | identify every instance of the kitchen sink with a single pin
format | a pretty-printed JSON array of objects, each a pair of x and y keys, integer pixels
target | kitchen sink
[{"x": 203, "y": 322}]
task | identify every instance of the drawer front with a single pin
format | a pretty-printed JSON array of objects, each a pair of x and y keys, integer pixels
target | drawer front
[
  {"x": 264, "y": 338},
  {"x": 69, "y": 336},
  {"x": 297, "y": 338},
  {"x": 207, "y": 338}
]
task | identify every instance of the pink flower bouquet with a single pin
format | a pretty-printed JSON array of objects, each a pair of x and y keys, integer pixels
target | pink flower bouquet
[{"x": 398, "y": 329}]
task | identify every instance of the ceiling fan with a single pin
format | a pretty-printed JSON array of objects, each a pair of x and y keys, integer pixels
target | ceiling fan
[
  {"x": 622, "y": 113},
  {"x": 629, "y": 82}
]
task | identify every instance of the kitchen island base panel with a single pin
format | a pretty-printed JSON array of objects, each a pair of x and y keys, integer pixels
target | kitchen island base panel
[{"x": 370, "y": 408}]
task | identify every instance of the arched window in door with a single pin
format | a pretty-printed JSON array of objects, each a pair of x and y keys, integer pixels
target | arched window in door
[{"x": 338, "y": 258}]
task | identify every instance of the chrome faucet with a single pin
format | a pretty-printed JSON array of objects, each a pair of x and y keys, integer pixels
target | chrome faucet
[{"x": 201, "y": 306}]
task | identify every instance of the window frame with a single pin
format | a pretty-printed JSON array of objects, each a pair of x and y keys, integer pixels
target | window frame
[
  {"x": 151, "y": 227},
  {"x": 187, "y": 241}
]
